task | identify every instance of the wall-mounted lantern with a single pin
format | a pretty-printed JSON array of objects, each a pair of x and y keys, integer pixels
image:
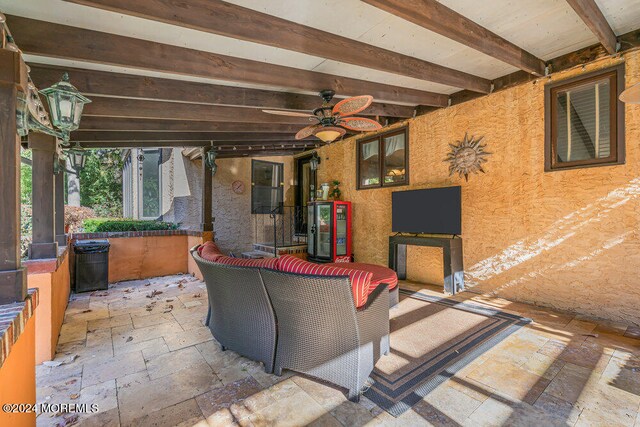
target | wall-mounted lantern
[
  {"x": 77, "y": 157},
  {"x": 315, "y": 161},
  {"x": 210, "y": 160},
  {"x": 65, "y": 105}
]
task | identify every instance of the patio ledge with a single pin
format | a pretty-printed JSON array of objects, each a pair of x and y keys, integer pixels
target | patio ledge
[
  {"x": 13, "y": 318},
  {"x": 114, "y": 234},
  {"x": 48, "y": 265}
]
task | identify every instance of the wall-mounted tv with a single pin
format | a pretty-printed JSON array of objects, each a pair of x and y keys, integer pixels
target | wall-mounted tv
[{"x": 429, "y": 211}]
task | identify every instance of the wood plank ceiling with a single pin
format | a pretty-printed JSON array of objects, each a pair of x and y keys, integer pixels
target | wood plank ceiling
[{"x": 187, "y": 72}]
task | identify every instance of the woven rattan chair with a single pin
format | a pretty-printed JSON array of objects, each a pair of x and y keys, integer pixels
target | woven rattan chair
[
  {"x": 320, "y": 332},
  {"x": 240, "y": 316}
]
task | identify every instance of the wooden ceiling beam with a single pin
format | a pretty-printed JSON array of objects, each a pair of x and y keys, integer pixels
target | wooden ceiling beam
[
  {"x": 230, "y": 20},
  {"x": 134, "y": 124},
  {"x": 181, "y": 136},
  {"x": 140, "y": 108},
  {"x": 438, "y": 18},
  {"x": 92, "y": 82},
  {"x": 45, "y": 38},
  {"x": 592, "y": 16}
]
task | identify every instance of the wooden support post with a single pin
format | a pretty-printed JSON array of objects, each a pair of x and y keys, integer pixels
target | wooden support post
[
  {"x": 44, "y": 244},
  {"x": 61, "y": 236},
  {"x": 207, "y": 190},
  {"x": 13, "y": 278}
]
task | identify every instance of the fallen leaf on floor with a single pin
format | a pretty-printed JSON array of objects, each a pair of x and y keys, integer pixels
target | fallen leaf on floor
[
  {"x": 154, "y": 293},
  {"x": 170, "y": 300},
  {"x": 180, "y": 285},
  {"x": 168, "y": 309},
  {"x": 74, "y": 396},
  {"x": 128, "y": 291},
  {"x": 73, "y": 381},
  {"x": 129, "y": 339},
  {"x": 86, "y": 311},
  {"x": 197, "y": 295},
  {"x": 68, "y": 421}
]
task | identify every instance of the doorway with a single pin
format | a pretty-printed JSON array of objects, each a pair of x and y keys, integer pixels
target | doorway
[{"x": 305, "y": 179}]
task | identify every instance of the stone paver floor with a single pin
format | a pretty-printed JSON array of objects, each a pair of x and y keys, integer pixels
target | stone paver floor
[{"x": 141, "y": 353}]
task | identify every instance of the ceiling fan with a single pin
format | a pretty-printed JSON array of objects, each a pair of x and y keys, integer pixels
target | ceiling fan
[{"x": 334, "y": 119}]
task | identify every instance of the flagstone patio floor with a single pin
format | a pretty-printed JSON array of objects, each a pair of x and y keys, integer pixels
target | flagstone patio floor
[{"x": 140, "y": 352}]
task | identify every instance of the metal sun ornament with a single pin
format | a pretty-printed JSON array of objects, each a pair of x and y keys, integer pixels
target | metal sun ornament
[{"x": 467, "y": 156}]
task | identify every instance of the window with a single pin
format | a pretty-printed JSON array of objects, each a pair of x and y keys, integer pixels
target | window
[
  {"x": 382, "y": 161},
  {"x": 267, "y": 186},
  {"x": 149, "y": 184},
  {"x": 584, "y": 121}
]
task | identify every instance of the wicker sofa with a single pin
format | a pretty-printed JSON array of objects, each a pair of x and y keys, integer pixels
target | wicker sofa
[{"x": 310, "y": 324}]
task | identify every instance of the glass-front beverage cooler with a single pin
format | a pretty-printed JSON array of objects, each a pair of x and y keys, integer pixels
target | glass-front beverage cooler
[{"x": 329, "y": 231}]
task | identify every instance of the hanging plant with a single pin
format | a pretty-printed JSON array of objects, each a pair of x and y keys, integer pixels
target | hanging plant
[{"x": 335, "y": 191}]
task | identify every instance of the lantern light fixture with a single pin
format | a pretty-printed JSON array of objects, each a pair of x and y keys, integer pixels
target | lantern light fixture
[
  {"x": 77, "y": 157},
  {"x": 210, "y": 160},
  {"x": 65, "y": 104},
  {"x": 315, "y": 161}
]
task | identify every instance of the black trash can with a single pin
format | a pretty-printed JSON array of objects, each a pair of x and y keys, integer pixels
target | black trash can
[{"x": 92, "y": 265}]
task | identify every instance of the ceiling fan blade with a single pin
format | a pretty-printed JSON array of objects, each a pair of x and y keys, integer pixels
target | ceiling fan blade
[
  {"x": 306, "y": 131},
  {"x": 352, "y": 105},
  {"x": 287, "y": 113},
  {"x": 359, "y": 124}
]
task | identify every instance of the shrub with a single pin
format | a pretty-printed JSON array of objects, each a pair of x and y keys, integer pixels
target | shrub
[
  {"x": 103, "y": 225},
  {"x": 74, "y": 216},
  {"x": 25, "y": 229}
]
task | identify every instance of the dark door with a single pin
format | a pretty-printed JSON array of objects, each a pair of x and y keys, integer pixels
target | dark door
[{"x": 305, "y": 191}]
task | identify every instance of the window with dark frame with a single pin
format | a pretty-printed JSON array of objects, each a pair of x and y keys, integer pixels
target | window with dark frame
[
  {"x": 267, "y": 186},
  {"x": 383, "y": 160},
  {"x": 584, "y": 121}
]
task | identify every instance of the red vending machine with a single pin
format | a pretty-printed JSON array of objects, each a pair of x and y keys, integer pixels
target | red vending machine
[{"x": 329, "y": 231}]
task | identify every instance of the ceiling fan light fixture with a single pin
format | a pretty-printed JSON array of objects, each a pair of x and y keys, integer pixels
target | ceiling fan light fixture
[
  {"x": 329, "y": 133},
  {"x": 631, "y": 95}
]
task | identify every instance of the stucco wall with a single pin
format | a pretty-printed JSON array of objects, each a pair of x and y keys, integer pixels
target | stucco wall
[
  {"x": 567, "y": 239},
  {"x": 182, "y": 190},
  {"x": 18, "y": 377},
  {"x": 140, "y": 257},
  {"x": 234, "y": 226},
  {"x": 53, "y": 290}
]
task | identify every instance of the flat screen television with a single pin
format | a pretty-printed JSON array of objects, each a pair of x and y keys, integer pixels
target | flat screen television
[{"x": 429, "y": 211}]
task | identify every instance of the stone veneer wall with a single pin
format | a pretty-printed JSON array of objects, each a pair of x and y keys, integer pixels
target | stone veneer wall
[
  {"x": 566, "y": 239},
  {"x": 234, "y": 224}
]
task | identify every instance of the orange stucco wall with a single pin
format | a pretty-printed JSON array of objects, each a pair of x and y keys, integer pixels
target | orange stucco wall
[
  {"x": 53, "y": 291},
  {"x": 565, "y": 239},
  {"x": 18, "y": 377},
  {"x": 133, "y": 258}
]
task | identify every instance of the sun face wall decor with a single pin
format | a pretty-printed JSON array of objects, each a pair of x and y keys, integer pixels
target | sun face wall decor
[{"x": 467, "y": 156}]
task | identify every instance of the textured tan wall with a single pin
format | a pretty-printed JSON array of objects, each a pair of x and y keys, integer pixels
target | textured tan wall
[
  {"x": 234, "y": 224},
  {"x": 565, "y": 239}
]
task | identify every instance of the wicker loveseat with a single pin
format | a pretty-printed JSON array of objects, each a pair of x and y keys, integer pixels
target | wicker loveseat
[{"x": 311, "y": 324}]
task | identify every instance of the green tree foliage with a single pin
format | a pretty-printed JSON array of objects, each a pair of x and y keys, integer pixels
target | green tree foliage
[
  {"x": 101, "y": 182},
  {"x": 25, "y": 179}
]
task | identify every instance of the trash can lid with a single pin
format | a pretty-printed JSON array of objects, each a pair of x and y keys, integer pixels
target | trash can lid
[{"x": 87, "y": 246}]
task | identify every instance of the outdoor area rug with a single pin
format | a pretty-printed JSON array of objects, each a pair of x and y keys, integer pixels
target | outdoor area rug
[{"x": 431, "y": 339}]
